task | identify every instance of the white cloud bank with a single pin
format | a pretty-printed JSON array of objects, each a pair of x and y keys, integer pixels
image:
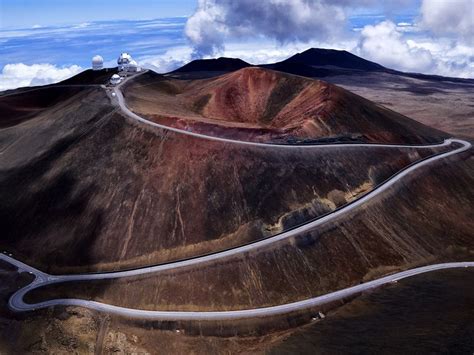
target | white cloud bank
[
  {"x": 443, "y": 44},
  {"x": 387, "y": 44},
  {"x": 453, "y": 17},
  {"x": 171, "y": 60},
  {"x": 282, "y": 20},
  {"x": 383, "y": 43},
  {"x": 440, "y": 42},
  {"x": 19, "y": 75}
]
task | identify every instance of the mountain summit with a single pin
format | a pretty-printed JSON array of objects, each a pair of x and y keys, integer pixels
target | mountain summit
[
  {"x": 331, "y": 57},
  {"x": 222, "y": 64}
]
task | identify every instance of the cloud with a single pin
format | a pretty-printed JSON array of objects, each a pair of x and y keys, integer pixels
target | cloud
[
  {"x": 454, "y": 17},
  {"x": 169, "y": 61},
  {"x": 19, "y": 75},
  {"x": 450, "y": 57},
  {"x": 387, "y": 44},
  {"x": 282, "y": 20},
  {"x": 384, "y": 44},
  {"x": 82, "y": 25},
  {"x": 401, "y": 46},
  {"x": 265, "y": 30}
]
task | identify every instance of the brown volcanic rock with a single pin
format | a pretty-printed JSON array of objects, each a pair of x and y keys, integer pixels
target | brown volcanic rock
[
  {"x": 276, "y": 104},
  {"x": 241, "y": 96},
  {"x": 424, "y": 219},
  {"x": 84, "y": 188}
]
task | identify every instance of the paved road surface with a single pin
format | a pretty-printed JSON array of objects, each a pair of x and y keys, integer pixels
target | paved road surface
[{"x": 17, "y": 304}]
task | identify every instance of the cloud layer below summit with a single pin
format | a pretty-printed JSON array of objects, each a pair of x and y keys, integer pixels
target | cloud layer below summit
[
  {"x": 433, "y": 37},
  {"x": 438, "y": 38}
]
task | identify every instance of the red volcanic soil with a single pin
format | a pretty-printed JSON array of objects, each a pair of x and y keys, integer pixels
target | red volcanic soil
[
  {"x": 276, "y": 106},
  {"x": 85, "y": 188}
]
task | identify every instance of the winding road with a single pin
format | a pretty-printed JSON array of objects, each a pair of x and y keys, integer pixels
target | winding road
[
  {"x": 16, "y": 302},
  {"x": 119, "y": 99}
]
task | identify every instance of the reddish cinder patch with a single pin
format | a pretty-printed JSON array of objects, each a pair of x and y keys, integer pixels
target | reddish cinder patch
[{"x": 269, "y": 105}]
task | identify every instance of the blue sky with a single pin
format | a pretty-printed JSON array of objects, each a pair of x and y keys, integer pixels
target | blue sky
[
  {"x": 77, "y": 43},
  {"x": 27, "y": 13},
  {"x": 44, "y": 41}
]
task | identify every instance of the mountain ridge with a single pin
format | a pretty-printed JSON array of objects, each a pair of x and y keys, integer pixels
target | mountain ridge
[
  {"x": 273, "y": 106},
  {"x": 313, "y": 62}
]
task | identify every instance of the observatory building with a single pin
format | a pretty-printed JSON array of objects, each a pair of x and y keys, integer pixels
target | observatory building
[
  {"x": 127, "y": 64},
  {"x": 97, "y": 62},
  {"x": 115, "y": 79}
]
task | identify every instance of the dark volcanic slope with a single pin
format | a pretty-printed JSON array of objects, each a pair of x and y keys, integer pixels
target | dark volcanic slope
[
  {"x": 330, "y": 57},
  {"x": 271, "y": 106},
  {"x": 400, "y": 318},
  {"x": 208, "y": 68},
  {"x": 18, "y": 107},
  {"x": 429, "y": 313},
  {"x": 22, "y": 104},
  {"x": 219, "y": 64},
  {"x": 426, "y": 219},
  {"x": 90, "y": 76},
  {"x": 445, "y": 104},
  {"x": 83, "y": 187}
]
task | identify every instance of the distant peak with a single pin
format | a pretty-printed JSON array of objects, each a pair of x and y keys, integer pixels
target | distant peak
[
  {"x": 323, "y": 50},
  {"x": 229, "y": 59},
  {"x": 333, "y": 57},
  {"x": 214, "y": 64}
]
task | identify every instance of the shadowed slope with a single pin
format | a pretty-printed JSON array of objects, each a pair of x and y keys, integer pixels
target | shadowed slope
[
  {"x": 16, "y": 108},
  {"x": 422, "y": 315},
  {"x": 91, "y": 77},
  {"x": 332, "y": 57},
  {"x": 219, "y": 64}
]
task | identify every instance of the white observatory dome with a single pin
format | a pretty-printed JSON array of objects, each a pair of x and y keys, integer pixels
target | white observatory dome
[
  {"x": 97, "y": 62},
  {"x": 127, "y": 64},
  {"x": 133, "y": 66},
  {"x": 115, "y": 79},
  {"x": 124, "y": 58}
]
